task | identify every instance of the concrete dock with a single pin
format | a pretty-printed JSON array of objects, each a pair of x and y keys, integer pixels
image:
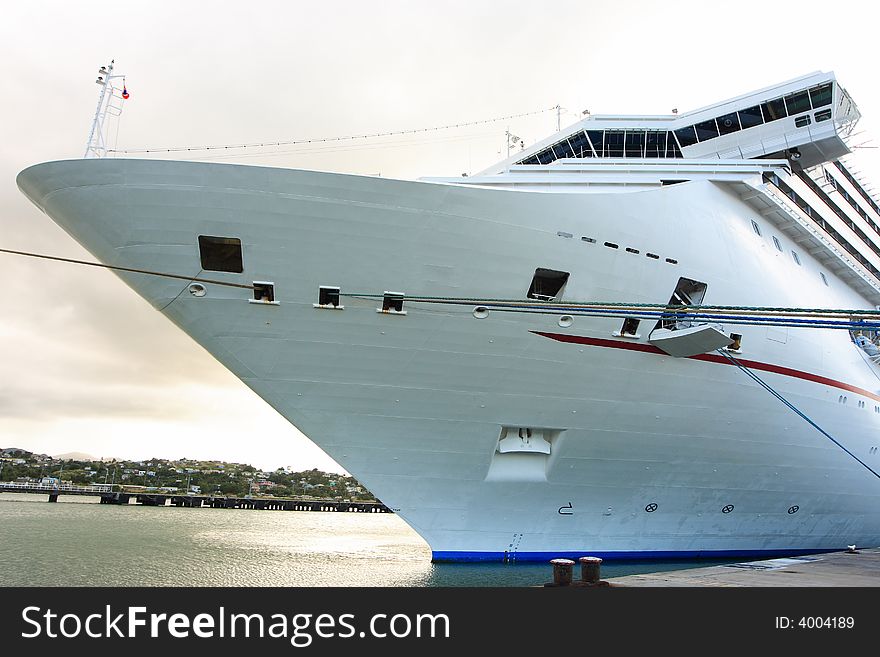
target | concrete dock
[{"x": 835, "y": 569}]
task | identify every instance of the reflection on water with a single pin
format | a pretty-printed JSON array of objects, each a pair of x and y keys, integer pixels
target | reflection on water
[{"x": 78, "y": 542}]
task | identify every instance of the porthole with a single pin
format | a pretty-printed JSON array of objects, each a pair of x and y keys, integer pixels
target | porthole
[
  {"x": 565, "y": 321},
  {"x": 481, "y": 312}
]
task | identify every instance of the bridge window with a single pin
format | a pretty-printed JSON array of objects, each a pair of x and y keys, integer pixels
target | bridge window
[
  {"x": 598, "y": 139},
  {"x": 562, "y": 149},
  {"x": 580, "y": 145},
  {"x": 655, "y": 144},
  {"x": 686, "y": 136},
  {"x": 728, "y": 123},
  {"x": 546, "y": 156},
  {"x": 635, "y": 143},
  {"x": 220, "y": 253},
  {"x": 797, "y": 102},
  {"x": 750, "y": 117},
  {"x": 672, "y": 149},
  {"x": 614, "y": 143},
  {"x": 773, "y": 109},
  {"x": 821, "y": 95},
  {"x": 706, "y": 130},
  {"x": 532, "y": 160}
]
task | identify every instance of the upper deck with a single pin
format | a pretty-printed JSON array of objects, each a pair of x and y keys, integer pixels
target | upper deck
[{"x": 806, "y": 121}]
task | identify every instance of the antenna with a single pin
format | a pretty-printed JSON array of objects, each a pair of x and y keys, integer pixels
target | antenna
[
  {"x": 96, "y": 145},
  {"x": 512, "y": 140}
]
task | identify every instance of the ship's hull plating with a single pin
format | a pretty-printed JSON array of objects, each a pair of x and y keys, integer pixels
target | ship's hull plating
[{"x": 649, "y": 456}]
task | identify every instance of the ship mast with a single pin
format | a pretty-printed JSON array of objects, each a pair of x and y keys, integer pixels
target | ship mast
[{"x": 97, "y": 144}]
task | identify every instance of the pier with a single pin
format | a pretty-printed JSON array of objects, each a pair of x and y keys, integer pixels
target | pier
[
  {"x": 859, "y": 567},
  {"x": 116, "y": 497}
]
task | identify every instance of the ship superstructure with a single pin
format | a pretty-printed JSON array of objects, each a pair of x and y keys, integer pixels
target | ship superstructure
[{"x": 432, "y": 336}]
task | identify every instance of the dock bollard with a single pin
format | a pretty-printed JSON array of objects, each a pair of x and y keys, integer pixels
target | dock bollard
[
  {"x": 562, "y": 571},
  {"x": 590, "y": 569}
]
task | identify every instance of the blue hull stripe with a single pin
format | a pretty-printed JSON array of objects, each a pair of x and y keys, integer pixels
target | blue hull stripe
[{"x": 638, "y": 555}]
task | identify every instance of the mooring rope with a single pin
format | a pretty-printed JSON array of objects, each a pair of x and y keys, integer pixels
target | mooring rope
[
  {"x": 128, "y": 269},
  {"x": 791, "y": 406},
  {"x": 823, "y": 318}
]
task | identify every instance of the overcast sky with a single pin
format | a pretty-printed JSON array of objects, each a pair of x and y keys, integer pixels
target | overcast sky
[{"x": 86, "y": 365}]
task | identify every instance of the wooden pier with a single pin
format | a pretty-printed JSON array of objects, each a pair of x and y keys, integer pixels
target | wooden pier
[{"x": 109, "y": 496}]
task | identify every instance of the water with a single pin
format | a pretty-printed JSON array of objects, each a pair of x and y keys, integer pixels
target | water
[{"x": 79, "y": 542}]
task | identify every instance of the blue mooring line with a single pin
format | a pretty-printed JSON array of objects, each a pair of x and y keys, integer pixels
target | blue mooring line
[{"x": 779, "y": 396}]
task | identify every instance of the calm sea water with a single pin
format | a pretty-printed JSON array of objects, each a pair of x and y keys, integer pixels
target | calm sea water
[{"x": 79, "y": 542}]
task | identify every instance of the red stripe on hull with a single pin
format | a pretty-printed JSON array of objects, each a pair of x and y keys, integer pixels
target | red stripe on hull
[{"x": 709, "y": 358}]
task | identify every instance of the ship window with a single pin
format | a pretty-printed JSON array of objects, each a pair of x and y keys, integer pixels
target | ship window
[
  {"x": 655, "y": 144},
  {"x": 220, "y": 253},
  {"x": 750, "y": 117},
  {"x": 672, "y": 261},
  {"x": 562, "y": 149},
  {"x": 664, "y": 183},
  {"x": 706, "y": 130},
  {"x": 802, "y": 121},
  {"x": 686, "y": 136},
  {"x": 653, "y": 255},
  {"x": 591, "y": 240},
  {"x": 545, "y": 156},
  {"x": 580, "y": 145},
  {"x": 611, "y": 245},
  {"x": 598, "y": 139},
  {"x": 635, "y": 143},
  {"x": 824, "y": 115},
  {"x": 756, "y": 228},
  {"x": 795, "y": 257},
  {"x": 821, "y": 95},
  {"x": 773, "y": 109},
  {"x": 672, "y": 149},
  {"x": 632, "y": 250},
  {"x": 797, "y": 102},
  {"x": 824, "y": 280},
  {"x": 614, "y": 143},
  {"x": 777, "y": 244},
  {"x": 532, "y": 160},
  {"x": 728, "y": 123},
  {"x": 547, "y": 284}
]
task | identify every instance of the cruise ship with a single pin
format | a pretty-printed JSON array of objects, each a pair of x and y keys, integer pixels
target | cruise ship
[{"x": 644, "y": 337}]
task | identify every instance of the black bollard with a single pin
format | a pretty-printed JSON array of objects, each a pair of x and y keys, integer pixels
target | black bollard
[
  {"x": 562, "y": 571},
  {"x": 590, "y": 569}
]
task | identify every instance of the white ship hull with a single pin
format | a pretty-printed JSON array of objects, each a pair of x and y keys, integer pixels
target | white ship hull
[{"x": 650, "y": 456}]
